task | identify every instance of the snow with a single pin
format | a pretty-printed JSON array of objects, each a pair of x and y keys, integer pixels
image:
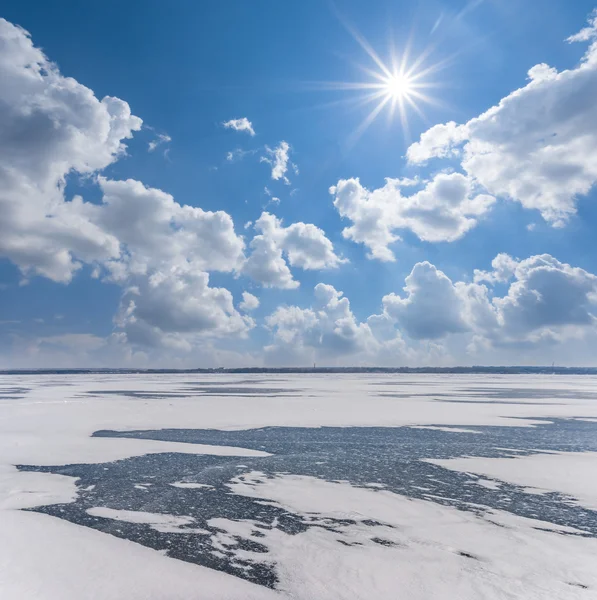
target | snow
[
  {"x": 569, "y": 473},
  {"x": 42, "y": 558},
  {"x": 158, "y": 521},
  {"x": 28, "y": 489},
  {"x": 489, "y": 484},
  {"x": 447, "y": 429},
  {"x": 428, "y": 550},
  {"x": 190, "y": 485}
]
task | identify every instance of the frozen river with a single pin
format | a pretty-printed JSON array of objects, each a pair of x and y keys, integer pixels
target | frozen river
[{"x": 307, "y": 486}]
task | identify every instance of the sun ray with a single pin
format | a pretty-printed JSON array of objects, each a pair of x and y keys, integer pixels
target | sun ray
[
  {"x": 364, "y": 44},
  {"x": 364, "y": 125},
  {"x": 400, "y": 85},
  {"x": 417, "y": 109}
]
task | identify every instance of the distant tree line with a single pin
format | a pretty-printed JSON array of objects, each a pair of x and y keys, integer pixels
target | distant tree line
[{"x": 306, "y": 370}]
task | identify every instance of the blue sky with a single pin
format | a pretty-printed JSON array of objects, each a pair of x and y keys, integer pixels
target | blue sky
[{"x": 187, "y": 68}]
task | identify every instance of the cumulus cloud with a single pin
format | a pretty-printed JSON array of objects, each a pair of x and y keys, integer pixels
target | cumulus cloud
[
  {"x": 301, "y": 245},
  {"x": 157, "y": 249},
  {"x": 50, "y": 126},
  {"x": 266, "y": 263},
  {"x": 327, "y": 330},
  {"x": 545, "y": 301},
  {"x": 167, "y": 249},
  {"x": 446, "y": 208},
  {"x": 536, "y": 145},
  {"x": 279, "y": 159},
  {"x": 548, "y": 297},
  {"x": 155, "y": 230},
  {"x": 242, "y": 124},
  {"x": 441, "y": 141},
  {"x": 249, "y": 302},
  {"x": 431, "y": 307},
  {"x": 504, "y": 267},
  {"x": 176, "y": 307}
]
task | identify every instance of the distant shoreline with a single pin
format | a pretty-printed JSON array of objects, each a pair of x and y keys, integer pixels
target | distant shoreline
[{"x": 319, "y": 370}]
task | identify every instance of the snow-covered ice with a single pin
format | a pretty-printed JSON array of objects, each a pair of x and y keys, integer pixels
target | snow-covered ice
[
  {"x": 158, "y": 521},
  {"x": 570, "y": 473},
  {"x": 448, "y": 429},
  {"x": 308, "y": 487},
  {"x": 190, "y": 485}
]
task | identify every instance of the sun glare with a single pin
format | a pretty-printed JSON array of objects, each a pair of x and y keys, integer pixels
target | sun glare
[{"x": 398, "y": 86}]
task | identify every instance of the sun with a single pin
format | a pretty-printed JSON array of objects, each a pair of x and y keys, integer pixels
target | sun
[{"x": 398, "y": 86}]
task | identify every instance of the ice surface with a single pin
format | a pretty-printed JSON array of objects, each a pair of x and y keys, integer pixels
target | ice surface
[
  {"x": 189, "y": 485},
  {"x": 570, "y": 473},
  {"x": 488, "y": 483},
  {"x": 318, "y": 522},
  {"x": 448, "y": 429},
  {"x": 158, "y": 521}
]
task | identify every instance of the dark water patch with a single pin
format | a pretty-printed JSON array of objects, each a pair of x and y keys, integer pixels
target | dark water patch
[
  {"x": 497, "y": 402},
  {"x": 392, "y": 458},
  {"x": 144, "y": 395},
  {"x": 13, "y": 392},
  {"x": 491, "y": 392},
  {"x": 233, "y": 383},
  {"x": 579, "y": 585},
  {"x": 497, "y": 393},
  {"x": 198, "y": 391},
  {"x": 241, "y": 391},
  {"x": 467, "y": 555},
  {"x": 384, "y": 542}
]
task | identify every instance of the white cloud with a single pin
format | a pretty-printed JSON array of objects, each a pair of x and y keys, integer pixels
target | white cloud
[
  {"x": 158, "y": 250},
  {"x": 546, "y": 302},
  {"x": 154, "y": 230},
  {"x": 238, "y": 154},
  {"x": 266, "y": 263},
  {"x": 548, "y": 297},
  {"x": 272, "y": 199},
  {"x": 432, "y": 307},
  {"x": 50, "y": 126},
  {"x": 537, "y": 145},
  {"x": 242, "y": 124},
  {"x": 161, "y": 138},
  {"x": 279, "y": 159},
  {"x": 307, "y": 247},
  {"x": 441, "y": 141},
  {"x": 588, "y": 33},
  {"x": 249, "y": 302},
  {"x": 174, "y": 307},
  {"x": 304, "y": 246},
  {"x": 446, "y": 208},
  {"x": 326, "y": 331},
  {"x": 167, "y": 249},
  {"x": 504, "y": 267}
]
